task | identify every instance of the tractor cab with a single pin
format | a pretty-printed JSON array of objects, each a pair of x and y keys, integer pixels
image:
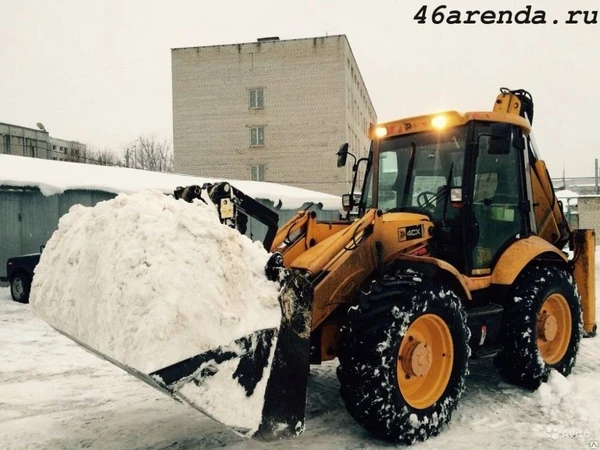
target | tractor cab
[{"x": 466, "y": 172}]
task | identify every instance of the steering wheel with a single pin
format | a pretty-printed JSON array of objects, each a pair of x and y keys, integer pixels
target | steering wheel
[{"x": 425, "y": 197}]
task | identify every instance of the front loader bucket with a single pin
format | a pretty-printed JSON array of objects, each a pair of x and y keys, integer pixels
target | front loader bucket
[{"x": 257, "y": 384}]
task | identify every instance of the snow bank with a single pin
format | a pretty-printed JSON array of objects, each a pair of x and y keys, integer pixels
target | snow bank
[
  {"x": 568, "y": 197},
  {"x": 55, "y": 177},
  {"x": 149, "y": 280}
]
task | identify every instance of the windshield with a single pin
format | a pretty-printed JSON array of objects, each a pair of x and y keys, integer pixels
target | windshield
[{"x": 416, "y": 172}]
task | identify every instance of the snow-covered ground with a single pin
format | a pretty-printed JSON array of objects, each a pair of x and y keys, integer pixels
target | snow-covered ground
[{"x": 55, "y": 395}]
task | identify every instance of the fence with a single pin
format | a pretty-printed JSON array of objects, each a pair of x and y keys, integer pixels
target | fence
[{"x": 588, "y": 208}]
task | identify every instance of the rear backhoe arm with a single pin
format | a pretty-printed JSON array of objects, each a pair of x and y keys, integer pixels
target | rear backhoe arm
[{"x": 517, "y": 101}]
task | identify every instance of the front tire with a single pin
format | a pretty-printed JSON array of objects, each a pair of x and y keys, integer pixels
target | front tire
[
  {"x": 20, "y": 285},
  {"x": 542, "y": 326},
  {"x": 403, "y": 359}
]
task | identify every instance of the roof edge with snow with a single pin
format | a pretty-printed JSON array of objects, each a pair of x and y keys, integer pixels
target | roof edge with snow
[{"x": 55, "y": 177}]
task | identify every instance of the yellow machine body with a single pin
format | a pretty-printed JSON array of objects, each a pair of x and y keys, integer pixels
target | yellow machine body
[{"x": 343, "y": 257}]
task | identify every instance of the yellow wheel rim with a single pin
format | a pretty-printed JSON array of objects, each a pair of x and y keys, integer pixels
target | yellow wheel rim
[
  {"x": 425, "y": 360},
  {"x": 553, "y": 328}
]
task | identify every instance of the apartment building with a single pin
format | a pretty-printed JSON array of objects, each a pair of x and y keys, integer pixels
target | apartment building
[
  {"x": 23, "y": 141},
  {"x": 271, "y": 110},
  {"x": 65, "y": 150},
  {"x": 37, "y": 143}
]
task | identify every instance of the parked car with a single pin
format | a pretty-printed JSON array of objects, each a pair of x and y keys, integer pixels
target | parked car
[{"x": 19, "y": 273}]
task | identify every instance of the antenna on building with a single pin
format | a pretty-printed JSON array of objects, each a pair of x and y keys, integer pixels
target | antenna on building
[{"x": 41, "y": 126}]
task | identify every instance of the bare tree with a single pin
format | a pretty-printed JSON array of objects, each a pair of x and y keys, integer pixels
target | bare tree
[
  {"x": 99, "y": 157},
  {"x": 149, "y": 153}
]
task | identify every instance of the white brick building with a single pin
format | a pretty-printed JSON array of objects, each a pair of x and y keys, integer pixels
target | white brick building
[{"x": 270, "y": 110}]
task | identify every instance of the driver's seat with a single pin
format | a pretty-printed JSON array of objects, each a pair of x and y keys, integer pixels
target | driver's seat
[{"x": 448, "y": 236}]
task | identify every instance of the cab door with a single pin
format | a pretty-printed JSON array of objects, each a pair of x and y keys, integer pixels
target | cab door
[{"x": 497, "y": 194}]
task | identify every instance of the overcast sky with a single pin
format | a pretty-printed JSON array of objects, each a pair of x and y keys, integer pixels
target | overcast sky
[{"x": 100, "y": 71}]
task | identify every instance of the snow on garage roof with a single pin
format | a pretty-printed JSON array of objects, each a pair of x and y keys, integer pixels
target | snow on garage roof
[
  {"x": 568, "y": 197},
  {"x": 55, "y": 177},
  {"x": 566, "y": 193}
]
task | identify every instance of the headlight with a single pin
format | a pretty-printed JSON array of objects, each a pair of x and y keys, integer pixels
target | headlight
[
  {"x": 439, "y": 122},
  {"x": 380, "y": 132}
]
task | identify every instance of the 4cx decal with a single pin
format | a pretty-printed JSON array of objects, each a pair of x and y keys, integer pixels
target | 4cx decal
[{"x": 410, "y": 233}]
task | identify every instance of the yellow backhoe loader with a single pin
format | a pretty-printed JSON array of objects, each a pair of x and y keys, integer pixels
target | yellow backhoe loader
[{"x": 459, "y": 251}]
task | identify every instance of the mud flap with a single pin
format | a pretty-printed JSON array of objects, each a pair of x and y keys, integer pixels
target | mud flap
[{"x": 255, "y": 385}]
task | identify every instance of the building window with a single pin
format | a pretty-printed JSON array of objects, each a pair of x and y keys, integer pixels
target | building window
[
  {"x": 257, "y": 99},
  {"x": 257, "y": 136},
  {"x": 258, "y": 172},
  {"x": 7, "y": 144}
]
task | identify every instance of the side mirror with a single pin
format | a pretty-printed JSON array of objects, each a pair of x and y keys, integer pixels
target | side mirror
[
  {"x": 347, "y": 202},
  {"x": 342, "y": 155},
  {"x": 456, "y": 200},
  {"x": 499, "y": 143}
]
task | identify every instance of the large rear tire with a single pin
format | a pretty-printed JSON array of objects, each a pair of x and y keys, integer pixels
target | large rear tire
[
  {"x": 542, "y": 326},
  {"x": 403, "y": 359}
]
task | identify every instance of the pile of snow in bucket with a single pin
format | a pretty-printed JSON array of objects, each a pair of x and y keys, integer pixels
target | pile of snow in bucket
[{"x": 150, "y": 281}]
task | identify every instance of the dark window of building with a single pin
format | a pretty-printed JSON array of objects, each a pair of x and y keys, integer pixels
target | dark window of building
[
  {"x": 258, "y": 172},
  {"x": 29, "y": 148},
  {"x": 6, "y": 141},
  {"x": 257, "y": 136},
  {"x": 257, "y": 98}
]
